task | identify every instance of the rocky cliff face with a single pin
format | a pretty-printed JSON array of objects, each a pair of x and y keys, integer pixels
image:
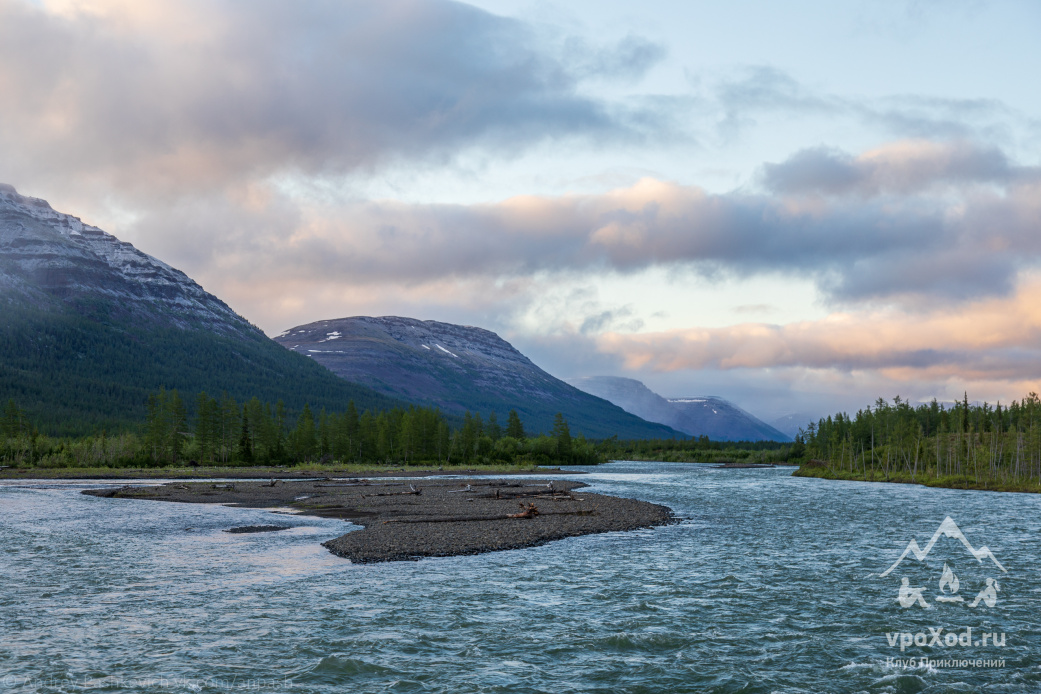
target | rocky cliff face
[
  {"x": 710, "y": 416},
  {"x": 47, "y": 256},
  {"x": 457, "y": 368}
]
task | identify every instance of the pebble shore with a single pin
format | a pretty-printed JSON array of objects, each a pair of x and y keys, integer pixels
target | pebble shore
[{"x": 407, "y": 520}]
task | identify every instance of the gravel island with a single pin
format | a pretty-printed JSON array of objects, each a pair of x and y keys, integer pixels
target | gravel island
[{"x": 407, "y": 520}]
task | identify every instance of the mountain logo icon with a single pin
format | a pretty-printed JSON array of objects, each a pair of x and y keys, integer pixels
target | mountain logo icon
[{"x": 951, "y": 530}]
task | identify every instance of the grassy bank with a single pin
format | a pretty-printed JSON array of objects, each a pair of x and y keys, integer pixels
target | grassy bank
[
  {"x": 822, "y": 471},
  {"x": 702, "y": 450}
]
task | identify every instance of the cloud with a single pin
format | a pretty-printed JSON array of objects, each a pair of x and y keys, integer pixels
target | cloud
[
  {"x": 755, "y": 308},
  {"x": 752, "y": 92},
  {"x": 762, "y": 89},
  {"x": 992, "y": 339},
  {"x": 911, "y": 223},
  {"x": 899, "y": 168},
  {"x": 159, "y": 98},
  {"x": 629, "y": 59}
]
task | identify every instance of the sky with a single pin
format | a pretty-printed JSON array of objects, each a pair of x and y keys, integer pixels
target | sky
[{"x": 798, "y": 206}]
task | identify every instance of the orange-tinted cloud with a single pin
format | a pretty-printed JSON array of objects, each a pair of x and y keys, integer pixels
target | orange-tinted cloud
[{"x": 992, "y": 339}]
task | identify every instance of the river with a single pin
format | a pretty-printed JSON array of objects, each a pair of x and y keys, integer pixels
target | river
[{"x": 769, "y": 584}]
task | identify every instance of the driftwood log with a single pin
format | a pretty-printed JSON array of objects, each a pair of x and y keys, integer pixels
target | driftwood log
[{"x": 413, "y": 490}]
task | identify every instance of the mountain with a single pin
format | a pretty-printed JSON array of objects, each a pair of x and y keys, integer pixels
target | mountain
[
  {"x": 89, "y": 325},
  {"x": 458, "y": 368},
  {"x": 710, "y": 416},
  {"x": 790, "y": 424},
  {"x": 53, "y": 261}
]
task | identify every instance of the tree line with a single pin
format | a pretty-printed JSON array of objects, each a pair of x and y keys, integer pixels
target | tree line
[
  {"x": 975, "y": 443},
  {"x": 222, "y": 431}
]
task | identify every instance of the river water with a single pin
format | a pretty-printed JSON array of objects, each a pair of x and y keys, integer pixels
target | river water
[{"x": 769, "y": 584}]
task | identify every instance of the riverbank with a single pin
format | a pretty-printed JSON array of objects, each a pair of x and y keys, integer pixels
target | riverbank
[
  {"x": 426, "y": 518},
  {"x": 266, "y": 472},
  {"x": 821, "y": 471}
]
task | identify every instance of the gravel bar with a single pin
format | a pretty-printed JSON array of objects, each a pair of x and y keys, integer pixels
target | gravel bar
[{"x": 407, "y": 520}]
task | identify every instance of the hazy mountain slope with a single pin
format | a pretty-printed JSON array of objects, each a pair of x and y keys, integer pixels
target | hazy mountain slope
[
  {"x": 89, "y": 325},
  {"x": 722, "y": 420},
  {"x": 50, "y": 260},
  {"x": 458, "y": 368},
  {"x": 710, "y": 416},
  {"x": 791, "y": 424}
]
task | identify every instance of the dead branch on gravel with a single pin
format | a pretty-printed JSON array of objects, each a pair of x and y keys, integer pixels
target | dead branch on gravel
[
  {"x": 413, "y": 491},
  {"x": 511, "y": 516},
  {"x": 349, "y": 484},
  {"x": 526, "y": 512}
]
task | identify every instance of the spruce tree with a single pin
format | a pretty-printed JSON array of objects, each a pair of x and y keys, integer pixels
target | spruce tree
[
  {"x": 178, "y": 420},
  {"x": 245, "y": 448},
  {"x": 562, "y": 434},
  {"x": 514, "y": 428},
  {"x": 305, "y": 439},
  {"x": 12, "y": 420},
  {"x": 492, "y": 429}
]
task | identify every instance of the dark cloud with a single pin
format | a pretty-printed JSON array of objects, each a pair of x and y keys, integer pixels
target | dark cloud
[
  {"x": 196, "y": 94},
  {"x": 623, "y": 318},
  {"x": 818, "y": 170},
  {"x": 900, "y": 169},
  {"x": 941, "y": 273}
]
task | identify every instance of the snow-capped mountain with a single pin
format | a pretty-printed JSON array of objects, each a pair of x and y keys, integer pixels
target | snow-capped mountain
[
  {"x": 458, "y": 368},
  {"x": 45, "y": 254},
  {"x": 719, "y": 419}
]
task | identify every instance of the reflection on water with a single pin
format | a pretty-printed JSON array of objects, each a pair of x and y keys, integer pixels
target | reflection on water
[{"x": 769, "y": 584}]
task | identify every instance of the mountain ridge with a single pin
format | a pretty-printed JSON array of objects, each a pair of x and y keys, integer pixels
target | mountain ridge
[
  {"x": 48, "y": 255},
  {"x": 458, "y": 368}
]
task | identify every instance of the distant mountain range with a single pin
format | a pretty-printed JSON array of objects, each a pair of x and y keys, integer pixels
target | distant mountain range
[
  {"x": 458, "y": 368},
  {"x": 710, "y": 416},
  {"x": 89, "y": 325}
]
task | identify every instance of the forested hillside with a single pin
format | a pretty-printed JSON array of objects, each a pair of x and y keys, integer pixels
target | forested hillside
[
  {"x": 961, "y": 444},
  {"x": 77, "y": 374}
]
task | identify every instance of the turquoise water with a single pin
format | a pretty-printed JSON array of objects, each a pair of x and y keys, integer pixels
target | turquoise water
[{"x": 770, "y": 584}]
